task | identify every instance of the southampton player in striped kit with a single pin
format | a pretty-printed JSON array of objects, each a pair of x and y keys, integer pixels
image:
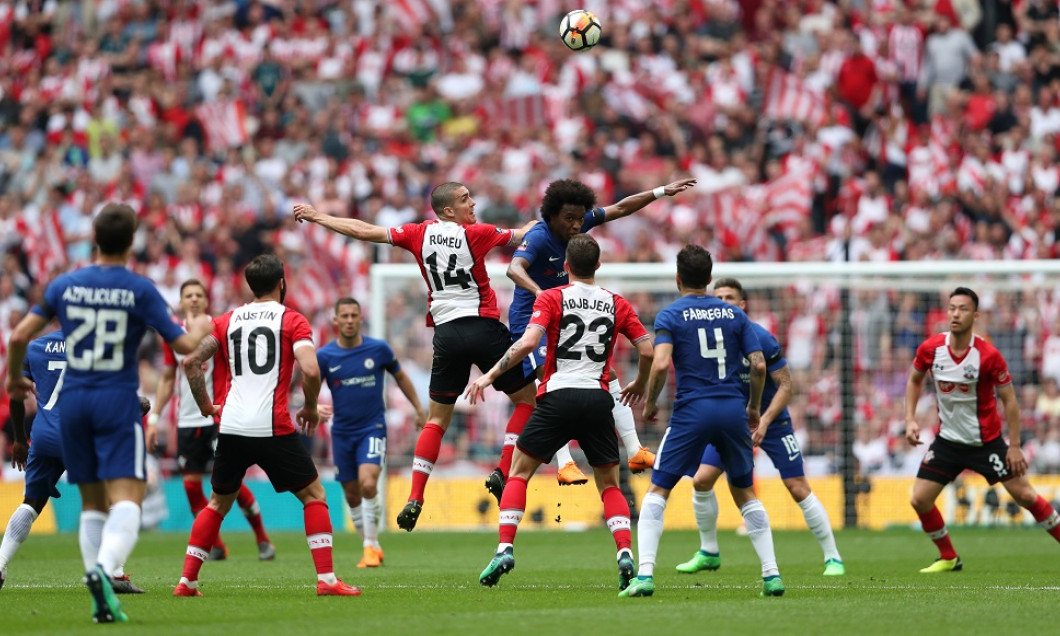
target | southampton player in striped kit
[
  {"x": 462, "y": 308},
  {"x": 353, "y": 367},
  {"x": 708, "y": 340},
  {"x": 580, "y": 322},
  {"x": 777, "y": 438},
  {"x": 260, "y": 343},
  {"x": 967, "y": 371},
  {"x": 42, "y": 460},
  {"x": 197, "y": 435},
  {"x": 568, "y": 209},
  {"x": 104, "y": 310}
]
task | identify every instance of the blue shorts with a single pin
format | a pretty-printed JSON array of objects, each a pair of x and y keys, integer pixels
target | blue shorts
[
  {"x": 536, "y": 357},
  {"x": 352, "y": 449},
  {"x": 721, "y": 422},
  {"x": 103, "y": 435},
  {"x": 45, "y": 464},
  {"x": 782, "y": 449}
]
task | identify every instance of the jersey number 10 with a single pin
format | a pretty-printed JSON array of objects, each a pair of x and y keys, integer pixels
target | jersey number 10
[{"x": 256, "y": 367}]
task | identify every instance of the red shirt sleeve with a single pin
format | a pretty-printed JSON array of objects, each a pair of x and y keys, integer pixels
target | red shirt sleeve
[
  {"x": 627, "y": 322},
  {"x": 299, "y": 328},
  {"x": 925, "y": 356},
  {"x": 995, "y": 369},
  {"x": 482, "y": 237},
  {"x": 407, "y": 237},
  {"x": 546, "y": 309},
  {"x": 220, "y": 333},
  {"x": 168, "y": 358}
]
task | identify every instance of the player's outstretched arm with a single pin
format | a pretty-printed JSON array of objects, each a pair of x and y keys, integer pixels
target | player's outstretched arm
[
  {"x": 913, "y": 387},
  {"x": 197, "y": 379},
  {"x": 515, "y": 354},
  {"x": 637, "y": 201},
  {"x": 660, "y": 368},
  {"x": 1017, "y": 463},
  {"x": 408, "y": 389},
  {"x": 19, "y": 386},
  {"x": 308, "y": 416},
  {"x": 635, "y": 390},
  {"x": 517, "y": 272},
  {"x": 519, "y": 232},
  {"x": 354, "y": 228}
]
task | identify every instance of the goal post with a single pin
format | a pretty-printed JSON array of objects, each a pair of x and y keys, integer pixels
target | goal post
[{"x": 848, "y": 330}]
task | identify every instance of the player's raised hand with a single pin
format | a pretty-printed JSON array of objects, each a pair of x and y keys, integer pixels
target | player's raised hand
[
  {"x": 1017, "y": 463},
  {"x": 477, "y": 389},
  {"x": 912, "y": 433},
  {"x": 308, "y": 419},
  {"x": 678, "y": 186},
  {"x": 634, "y": 392},
  {"x": 326, "y": 411},
  {"x": 19, "y": 455},
  {"x": 306, "y": 212}
]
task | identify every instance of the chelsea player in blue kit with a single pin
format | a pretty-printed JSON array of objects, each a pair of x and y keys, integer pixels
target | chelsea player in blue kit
[
  {"x": 353, "y": 368},
  {"x": 45, "y": 366},
  {"x": 707, "y": 339},
  {"x": 104, "y": 310},
  {"x": 568, "y": 208},
  {"x": 777, "y": 438}
]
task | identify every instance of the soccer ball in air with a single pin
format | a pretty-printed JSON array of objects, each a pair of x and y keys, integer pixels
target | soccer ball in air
[{"x": 580, "y": 30}]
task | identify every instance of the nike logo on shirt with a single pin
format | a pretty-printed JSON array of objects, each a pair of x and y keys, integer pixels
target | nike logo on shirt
[
  {"x": 553, "y": 258},
  {"x": 334, "y": 369}
]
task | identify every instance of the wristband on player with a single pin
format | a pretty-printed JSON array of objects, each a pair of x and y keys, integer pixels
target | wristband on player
[
  {"x": 659, "y": 192},
  {"x": 152, "y": 419}
]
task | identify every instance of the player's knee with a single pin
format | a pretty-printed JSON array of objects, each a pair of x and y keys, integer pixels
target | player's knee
[
  {"x": 369, "y": 488},
  {"x": 920, "y": 503},
  {"x": 36, "y": 504},
  {"x": 703, "y": 483},
  {"x": 799, "y": 488}
]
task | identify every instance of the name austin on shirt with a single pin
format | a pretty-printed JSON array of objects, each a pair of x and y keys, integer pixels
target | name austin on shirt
[
  {"x": 714, "y": 313},
  {"x": 254, "y": 315},
  {"x": 592, "y": 305},
  {"x": 99, "y": 296}
]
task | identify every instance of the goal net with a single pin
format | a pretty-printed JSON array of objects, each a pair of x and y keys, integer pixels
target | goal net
[{"x": 848, "y": 399}]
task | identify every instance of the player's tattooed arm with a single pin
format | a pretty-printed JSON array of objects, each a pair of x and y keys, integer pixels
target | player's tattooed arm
[
  {"x": 782, "y": 378},
  {"x": 196, "y": 378},
  {"x": 758, "y": 382},
  {"x": 511, "y": 357}
]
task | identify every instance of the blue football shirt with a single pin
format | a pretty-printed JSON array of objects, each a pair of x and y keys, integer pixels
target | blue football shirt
[
  {"x": 774, "y": 360},
  {"x": 104, "y": 311},
  {"x": 546, "y": 255},
  {"x": 46, "y": 365},
  {"x": 710, "y": 340},
  {"x": 355, "y": 377}
]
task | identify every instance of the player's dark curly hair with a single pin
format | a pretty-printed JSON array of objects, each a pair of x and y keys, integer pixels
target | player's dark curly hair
[
  {"x": 566, "y": 191},
  {"x": 264, "y": 274},
  {"x": 964, "y": 291},
  {"x": 694, "y": 265}
]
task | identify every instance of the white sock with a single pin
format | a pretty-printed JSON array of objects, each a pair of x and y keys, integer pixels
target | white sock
[
  {"x": 817, "y": 521},
  {"x": 17, "y": 530},
  {"x": 90, "y": 535},
  {"x": 563, "y": 456},
  {"x": 328, "y": 578},
  {"x": 625, "y": 425},
  {"x": 501, "y": 547},
  {"x": 705, "y": 509},
  {"x": 194, "y": 585},
  {"x": 649, "y": 531},
  {"x": 119, "y": 571},
  {"x": 119, "y": 535},
  {"x": 757, "y": 521},
  {"x": 357, "y": 516},
  {"x": 369, "y": 514}
]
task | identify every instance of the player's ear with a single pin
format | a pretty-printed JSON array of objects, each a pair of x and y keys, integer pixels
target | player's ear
[{"x": 597, "y": 266}]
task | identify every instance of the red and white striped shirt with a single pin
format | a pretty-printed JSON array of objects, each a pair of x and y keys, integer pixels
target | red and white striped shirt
[
  {"x": 905, "y": 44},
  {"x": 258, "y": 341}
]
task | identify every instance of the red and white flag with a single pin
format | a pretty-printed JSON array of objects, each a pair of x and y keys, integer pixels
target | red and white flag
[
  {"x": 44, "y": 245},
  {"x": 788, "y": 98},
  {"x": 225, "y": 124}
]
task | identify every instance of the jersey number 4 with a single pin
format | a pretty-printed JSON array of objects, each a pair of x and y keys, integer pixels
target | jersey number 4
[
  {"x": 451, "y": 276},
  {"x": 717, "y": 352},
  {"x": 257, "y": 367}
]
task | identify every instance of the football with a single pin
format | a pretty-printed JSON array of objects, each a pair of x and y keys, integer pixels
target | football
[{"x": 580, "y": 30}]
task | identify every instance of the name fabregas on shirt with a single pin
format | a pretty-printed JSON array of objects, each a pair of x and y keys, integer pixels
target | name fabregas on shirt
[{"x": 714, "y": 313}]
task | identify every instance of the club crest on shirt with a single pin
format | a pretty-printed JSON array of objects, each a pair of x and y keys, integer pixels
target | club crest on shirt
[
  {"x": 542, "y": 351},
  {"x": 969, "y": 372},
  {"x": 369, "y": 363},
  {"x": 928, "y": 456},
  {"x": 524, "y": 245}
]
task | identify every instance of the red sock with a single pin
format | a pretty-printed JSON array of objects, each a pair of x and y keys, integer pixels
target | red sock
[
  {"x": 252, "y": 511},
  {"x": 196, "y": 497},
  {"x": 935, "y": 527},
  {"x": 515, "y": 426},
  {"x": 427, "y": 447},
  {"x": 318, "y": 535},
  {"x": 616, "y": 512},
  {"x": 513, "y": 505},
  {"x": 1046, "y": 516},
  {"x": 203, "y": 536}
]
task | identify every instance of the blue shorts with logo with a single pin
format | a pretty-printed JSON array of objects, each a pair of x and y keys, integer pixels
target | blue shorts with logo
[
  {"x": 536, "y": 357},
  {"x": 103, "y": 434},
  {"x": 351, "y": 449},
  {"x": 719, "y": 421},
  {"x": 780, "y": 445},
  {"x": 44, "y": 466}
]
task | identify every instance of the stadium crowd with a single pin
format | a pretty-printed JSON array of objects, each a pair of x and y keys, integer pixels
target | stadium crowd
[{"x": 903, "y": 130}]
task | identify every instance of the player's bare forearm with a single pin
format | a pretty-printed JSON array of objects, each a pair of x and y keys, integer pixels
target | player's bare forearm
[
  {"x": 640, "y": 200},
  {"x": 519, "y": 232},
  {"x": 913, "y": 388},
  {"x": 517, "y": 272},
  {"x": 660, "y": 368},
  {"x": 311, "y": 389},
  {"x": 1007, "y": 395},
  {"x": 306, "y": 357},
  {"x": 645, "y": 361},
  {"x": 758, "y": 379},
  {"x": 782, "y": 378},
  {"x": 17, "y": 345},
  {"x": 354, "y": 228},
  {"x": 18, "y": 421},
  {"x": 515, "y": 353},
  {"x": 164, "y": 393}
]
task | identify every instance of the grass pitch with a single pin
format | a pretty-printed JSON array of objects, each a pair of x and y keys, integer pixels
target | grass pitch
[{"x": 564, "y": 583}]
